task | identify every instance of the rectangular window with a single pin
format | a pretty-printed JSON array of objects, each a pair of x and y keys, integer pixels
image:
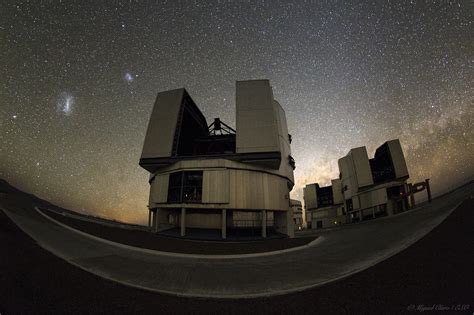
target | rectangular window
[
  {"x": 325, "y": 196},
  {"x": 174, "y": 187},
  {"x": 192, "y": 186},
  {"x": 185, "y": 187}
]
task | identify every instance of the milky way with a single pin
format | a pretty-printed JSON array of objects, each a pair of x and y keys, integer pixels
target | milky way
[{"x": 347, "y": 75}]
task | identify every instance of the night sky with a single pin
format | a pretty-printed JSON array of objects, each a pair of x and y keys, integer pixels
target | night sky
[{"x": 79, "y": 79}]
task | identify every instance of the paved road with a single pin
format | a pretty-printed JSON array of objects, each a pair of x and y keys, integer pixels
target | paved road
[
  {"x": 145, "y": 239},
  {"x": 341, "y": 253}
]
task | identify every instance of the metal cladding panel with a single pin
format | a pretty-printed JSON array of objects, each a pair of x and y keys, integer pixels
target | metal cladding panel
[
  {"x": 159, "y": 189},
  {"x": 162, "y": 125},
  {"x": 355, "y": 203},
  {"x": 320, "y": 214},
  {"x": 247, "y": 189},
  {"x": 337, "y": 194},
  {"x": 276, "y": 192},
  {"x": 295, "y": 203},
  {"x": 362, "y": 167},
  {"x": 398, "y": 159},
  {"x": 339, "y": 211},
  {"x": 257, "y": 191},
  {"x": 373, "y": 198},
  {"x": 348, "y": 180},
  {"x": 215, "y": 186},
  {"x": 285, "y": 168},
  {"x": 310, "y": 197},
  {"x": 308, "y": 216},
  {"x": 257, "y": 126},
  {"x": 306, "y": 198},
  {"x": 282, "y": 127}
]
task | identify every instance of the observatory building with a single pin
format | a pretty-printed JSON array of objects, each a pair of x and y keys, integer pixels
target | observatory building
[
  {"x": 366, "y": 188},
  {"x": 325, "y": 205},
  {"x": 210, "y": 176},
  {"x": 297, "y": 213}
]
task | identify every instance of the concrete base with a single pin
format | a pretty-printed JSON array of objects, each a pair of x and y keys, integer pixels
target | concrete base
[
  {"x": 224, "y": 223},
  {"x": 284, "y": 222},
  {"x": 264, "y": 223},
  {"x": 182, "y": 222},
  {"x": 158, "y": 220}
]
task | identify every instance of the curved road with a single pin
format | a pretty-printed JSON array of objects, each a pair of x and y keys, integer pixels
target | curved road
[{"x": 341, "y": 252}]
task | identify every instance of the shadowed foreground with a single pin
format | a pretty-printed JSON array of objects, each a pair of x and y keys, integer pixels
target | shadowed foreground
[{"x": 435, "y": 270}]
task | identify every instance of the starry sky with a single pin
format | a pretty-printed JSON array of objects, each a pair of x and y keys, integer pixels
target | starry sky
[{"x": 79, "y": 79}]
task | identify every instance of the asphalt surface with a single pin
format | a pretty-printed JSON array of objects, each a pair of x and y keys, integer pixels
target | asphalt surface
[
  {"x": 335, "y": 255},
  {"x": 144, "y": 239},
  {"x": 435, "y": 271}
]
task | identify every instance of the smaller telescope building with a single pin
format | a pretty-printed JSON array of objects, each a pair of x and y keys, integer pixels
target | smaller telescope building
[
  {"x": 210, "y": 176},
  {"x": 297, "y": 214},
  {"x": 366, "y": 188}
]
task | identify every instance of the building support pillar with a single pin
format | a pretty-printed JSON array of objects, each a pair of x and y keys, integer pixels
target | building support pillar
[
  {"x": 290, "y": 227},
  {"x": 183, "y": 221},
  {"x": 264, "y": 223},
  {"x": 149, "y": 218},
  {"x": 412, "y": 195},
  {"x": 224, "y": 223},
  {"x": 157, "y": 221},
  {"x": 428, "y": 189}
]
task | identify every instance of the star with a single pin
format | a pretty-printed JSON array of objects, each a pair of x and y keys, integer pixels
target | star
[{"x": 347, "y": 75}]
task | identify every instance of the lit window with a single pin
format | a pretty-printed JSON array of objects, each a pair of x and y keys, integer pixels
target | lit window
[{"x": 185, "y": 187}]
